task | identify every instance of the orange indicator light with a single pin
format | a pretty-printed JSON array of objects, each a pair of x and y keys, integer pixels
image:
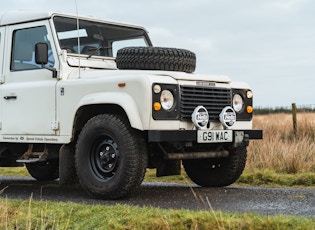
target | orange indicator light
[
  {"x": 157, "y": 106},
  {"x": 249, "y": 109}
]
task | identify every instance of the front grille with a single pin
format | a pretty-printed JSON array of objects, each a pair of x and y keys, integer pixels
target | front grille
[{"x": 213, "y": 99}]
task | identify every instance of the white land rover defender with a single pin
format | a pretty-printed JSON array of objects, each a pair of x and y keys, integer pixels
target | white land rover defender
[{"x": 82, "y": 98}]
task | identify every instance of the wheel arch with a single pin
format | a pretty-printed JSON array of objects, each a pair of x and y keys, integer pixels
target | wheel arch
[{"x": 93, "y": 105}]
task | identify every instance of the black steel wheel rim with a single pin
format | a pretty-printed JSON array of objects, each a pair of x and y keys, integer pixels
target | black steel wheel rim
[{"x": 104, "y": 158}]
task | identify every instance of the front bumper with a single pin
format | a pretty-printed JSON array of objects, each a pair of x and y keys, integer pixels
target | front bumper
[{"x": 191, "y": 135}]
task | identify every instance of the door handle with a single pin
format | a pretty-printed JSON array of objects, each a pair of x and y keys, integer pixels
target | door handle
[{"x": 9, "y": 97}]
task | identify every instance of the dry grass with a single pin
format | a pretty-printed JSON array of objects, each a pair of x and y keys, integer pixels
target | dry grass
[{"x": 280, "y": 150}]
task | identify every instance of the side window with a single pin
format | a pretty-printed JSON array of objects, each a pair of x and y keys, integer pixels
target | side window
[{"x": 23, "y": 54}]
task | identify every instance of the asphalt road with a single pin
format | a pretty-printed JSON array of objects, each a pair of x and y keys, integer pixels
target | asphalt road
[{"x": 267, "y": 201}]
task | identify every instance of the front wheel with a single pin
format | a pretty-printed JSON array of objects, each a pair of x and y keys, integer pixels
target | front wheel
[
  {"x": 110, "y": 157},
  {"x": 217, "y": 172}
]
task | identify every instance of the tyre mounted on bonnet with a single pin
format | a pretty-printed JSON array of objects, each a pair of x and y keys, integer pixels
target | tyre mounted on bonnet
[
  {"x": 156, "y": 58},
  {"x": 112, "y": 105}
]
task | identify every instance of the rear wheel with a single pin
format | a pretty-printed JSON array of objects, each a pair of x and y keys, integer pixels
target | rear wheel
[
  {"x": 217, "y": 172},
  {"x": 45, "y": 170},
  {"x": 110, "y": 157}
]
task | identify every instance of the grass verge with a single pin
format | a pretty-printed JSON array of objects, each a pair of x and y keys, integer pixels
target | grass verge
[
  {"x": 250, "y": 177},
  {"x": 15, "y": 214},
  {"x": 265, "y": 178},
  {"x": 268, "y": 178}
]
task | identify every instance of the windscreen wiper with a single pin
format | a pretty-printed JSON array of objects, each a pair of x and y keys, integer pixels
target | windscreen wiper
[{"x": 95, "y": 50}]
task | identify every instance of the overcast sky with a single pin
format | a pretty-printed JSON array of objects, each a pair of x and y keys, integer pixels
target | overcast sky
[{"x": 268, "y": 43}]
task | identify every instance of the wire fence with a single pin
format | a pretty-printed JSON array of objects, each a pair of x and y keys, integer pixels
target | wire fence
[
  {"x": 285, "y": 109},
  {"x": 293, "y": 109}
]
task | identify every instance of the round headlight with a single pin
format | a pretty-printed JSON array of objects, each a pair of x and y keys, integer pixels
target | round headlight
[
  {"x": 238, "y": 103},
  {"x": 167, "y": 99}
]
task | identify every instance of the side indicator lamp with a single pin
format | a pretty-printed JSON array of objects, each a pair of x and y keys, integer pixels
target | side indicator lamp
[
  {"x": 249, "y": 109},
  {"x": 121, "y": 85},
  {"x": 157, "y": 106}
]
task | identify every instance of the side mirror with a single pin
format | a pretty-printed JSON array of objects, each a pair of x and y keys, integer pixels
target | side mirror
[
  {"x": 41, "y": 57},
  {"x": 41, "y": 53}
]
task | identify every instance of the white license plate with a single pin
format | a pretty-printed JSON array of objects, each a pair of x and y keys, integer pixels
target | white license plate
[{"x": 214, "y": 136}]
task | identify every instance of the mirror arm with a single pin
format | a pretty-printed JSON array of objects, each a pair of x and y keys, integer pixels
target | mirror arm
[{"x": 54, "y": 71}]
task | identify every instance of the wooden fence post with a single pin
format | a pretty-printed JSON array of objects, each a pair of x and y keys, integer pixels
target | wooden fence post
[{"x": 294, "y": 111}]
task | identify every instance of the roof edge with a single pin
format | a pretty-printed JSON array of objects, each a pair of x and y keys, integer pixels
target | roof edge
[
  {"x": 19, "y": 16},
  {"x": 22, "y": 16}
]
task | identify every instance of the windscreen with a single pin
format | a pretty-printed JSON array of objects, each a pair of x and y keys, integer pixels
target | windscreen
[{"x": 95, "y": 38}]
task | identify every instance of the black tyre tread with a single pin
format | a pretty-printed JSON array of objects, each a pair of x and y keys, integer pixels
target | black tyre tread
[
  {"x": 44, "y": 170},
  {"x": 231, "y": 169},
  {"x": 136, "y": 159},
  {"x": 156, "y": 58}
]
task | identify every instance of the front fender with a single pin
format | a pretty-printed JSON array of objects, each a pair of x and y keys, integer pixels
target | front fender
[{"x": 124, "y": 100}]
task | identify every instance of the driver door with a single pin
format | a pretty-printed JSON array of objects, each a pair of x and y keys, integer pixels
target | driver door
[{"x": 28, "y": 90}]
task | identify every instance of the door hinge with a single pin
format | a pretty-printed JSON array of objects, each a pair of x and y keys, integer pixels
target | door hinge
[{"x": 55, "y": 125}]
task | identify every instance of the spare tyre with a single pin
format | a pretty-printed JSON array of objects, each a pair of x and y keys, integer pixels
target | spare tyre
[{"x": 156, "y": 58}]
